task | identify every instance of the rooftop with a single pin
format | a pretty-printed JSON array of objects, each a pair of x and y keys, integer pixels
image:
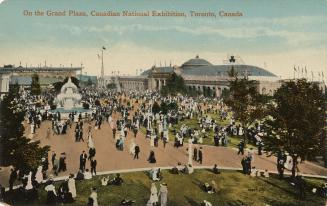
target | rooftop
[{"x": 196, "y": 62}]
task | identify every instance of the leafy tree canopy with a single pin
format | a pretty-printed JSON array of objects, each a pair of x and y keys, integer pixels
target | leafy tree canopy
[
  {"x": 16, "y": 149},
  {"x": 175, "y": 84},
  {"x": 35, "y": 85},
  {"x": 296, "y": 120}
]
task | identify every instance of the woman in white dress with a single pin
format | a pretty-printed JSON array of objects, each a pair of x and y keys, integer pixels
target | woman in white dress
[
  {"x": 132, "y": 147},
  {"x": 71, "y": 185},
  {"x": 90, "y": 143},
  {"x": 94, "y": 196},
  {"x": 154, "y": 195},
  {"x": 29, "y": 185},
  {"x": 39, "y": 175},
  {"x": 163, "y": 193},
  {"x": 152, "y": 137}
]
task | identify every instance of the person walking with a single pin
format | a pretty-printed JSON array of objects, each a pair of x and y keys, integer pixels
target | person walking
[
  {"x": 163, "y": 194},
  {"x": 240, "y": 148},
  {"x": 82, "y": 161},
  {"x": 137, "y": 151},
  {"x": 93, "y": 166},
  {"x": 195, "y": 154},
  {"x": 53, "y": 157},
  {"x": 200, "y": 156}
]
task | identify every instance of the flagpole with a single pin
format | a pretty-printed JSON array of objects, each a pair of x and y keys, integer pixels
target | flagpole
[
  {"x": 102, "y": 69},
  {"x": 298, "y": 72}
]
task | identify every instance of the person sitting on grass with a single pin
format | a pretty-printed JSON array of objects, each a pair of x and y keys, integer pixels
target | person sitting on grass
[
  {"x": 188, "y": 169},
  {"x": 87, "y": 174},
  {"x": 118, "y": 181},
  {"x": 155, "y": 174},
  {"x": 215, "y": 169},
  {"x": 266, "y": 173},
  {"x": 79, "y": 175},
  {"x": 104, "y": 181},
  {"x": 254, "y": 172},
  {"x": 206, "y": 203},
  {"x": 127, "y": 202},
  {"x": 177, "y": 169},
  {"x": 174, "y": 170},
  {"x": 210, "y": 188}
]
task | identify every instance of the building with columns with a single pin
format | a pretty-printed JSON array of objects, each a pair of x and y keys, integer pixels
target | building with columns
[
  {"x": 201, "y": 76},
  {"x": 9, "y": 74}
]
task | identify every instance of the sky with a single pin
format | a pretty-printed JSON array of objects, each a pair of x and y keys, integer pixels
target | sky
[{"x": 275, "y": 35}]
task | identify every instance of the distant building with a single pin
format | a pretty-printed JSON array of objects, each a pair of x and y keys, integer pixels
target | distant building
[
  {"x": 9, "y": 74},
  {"x": 86, "y": 78},
  {"x": 4, "y": 82},
  {"x": 202, "y": 76}
]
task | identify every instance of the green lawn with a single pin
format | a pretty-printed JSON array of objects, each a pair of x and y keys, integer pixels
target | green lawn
[
  {"x": 193, "y": 123},
  {"x": 234, "y": 189}
]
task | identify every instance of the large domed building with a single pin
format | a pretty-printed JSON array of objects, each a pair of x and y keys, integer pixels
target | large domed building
[{"x": 202, "y": 76}]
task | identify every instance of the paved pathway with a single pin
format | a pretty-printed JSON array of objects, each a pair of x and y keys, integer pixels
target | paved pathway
[{"x": 109, "y": 158}]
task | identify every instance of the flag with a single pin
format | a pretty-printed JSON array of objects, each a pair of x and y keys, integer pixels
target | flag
[
  {"x": 322, "y": 74},
  {"x": 305, "y": 69},
  {"x": 99, "y": 56},
  {"x": 104, "y": 48},
  {"x": 319, "y": 74},
  {"x": 294, "y": 69}
]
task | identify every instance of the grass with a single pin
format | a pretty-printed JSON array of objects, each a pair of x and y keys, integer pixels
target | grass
[
  {"x": 234, "y": 188},
  {"x": 193, "y": 123}
]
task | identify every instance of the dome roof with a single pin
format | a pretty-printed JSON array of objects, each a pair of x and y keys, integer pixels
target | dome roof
[
  {"x": 196, "y": 62},
  {"x": 222, "y": 70}
]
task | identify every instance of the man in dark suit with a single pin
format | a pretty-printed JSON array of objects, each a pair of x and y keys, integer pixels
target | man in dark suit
[
  {"x": 92, "y": 152},
  {"x": 114, "y": 132},
  {"x": 240, "y": 148},
  {"x": 82, "y": 161},
  {"x": 195, "y": 154},
  {"x": 200, "y": 155},
  {"x": 93, "y": 166},
  {"x": 53, "y": 157},
  {"x": 137, "y": 151}
]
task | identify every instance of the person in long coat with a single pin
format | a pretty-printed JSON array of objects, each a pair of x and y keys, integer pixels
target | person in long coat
[{"x": 163, "y": 193}]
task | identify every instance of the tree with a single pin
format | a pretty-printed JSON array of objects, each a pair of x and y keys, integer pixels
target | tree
[
  {"x": 245, "y": 101},
  {"x": 111, "y": 86},
  {"x": 173, "y": 106},
  {"x": 89, "y": 82},
  {"x": 164, "y": 107},
  {"x": 232, "y": 73},
  {"x": 155, "y": 108},
  {"x": 16, "y": 149},
  {"x": 174, "y": 84},
  {"x": 295, "y": 121},
  {"x": 35, "y": 85}
]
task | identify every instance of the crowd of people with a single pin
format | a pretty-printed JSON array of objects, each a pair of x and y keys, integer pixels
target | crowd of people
[{"x": 131, "y": 112}]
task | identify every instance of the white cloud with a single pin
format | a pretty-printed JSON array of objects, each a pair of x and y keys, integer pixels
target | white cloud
[
  {"x": 1, "y": 1},
  {"x": 293, "y": 38}
]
